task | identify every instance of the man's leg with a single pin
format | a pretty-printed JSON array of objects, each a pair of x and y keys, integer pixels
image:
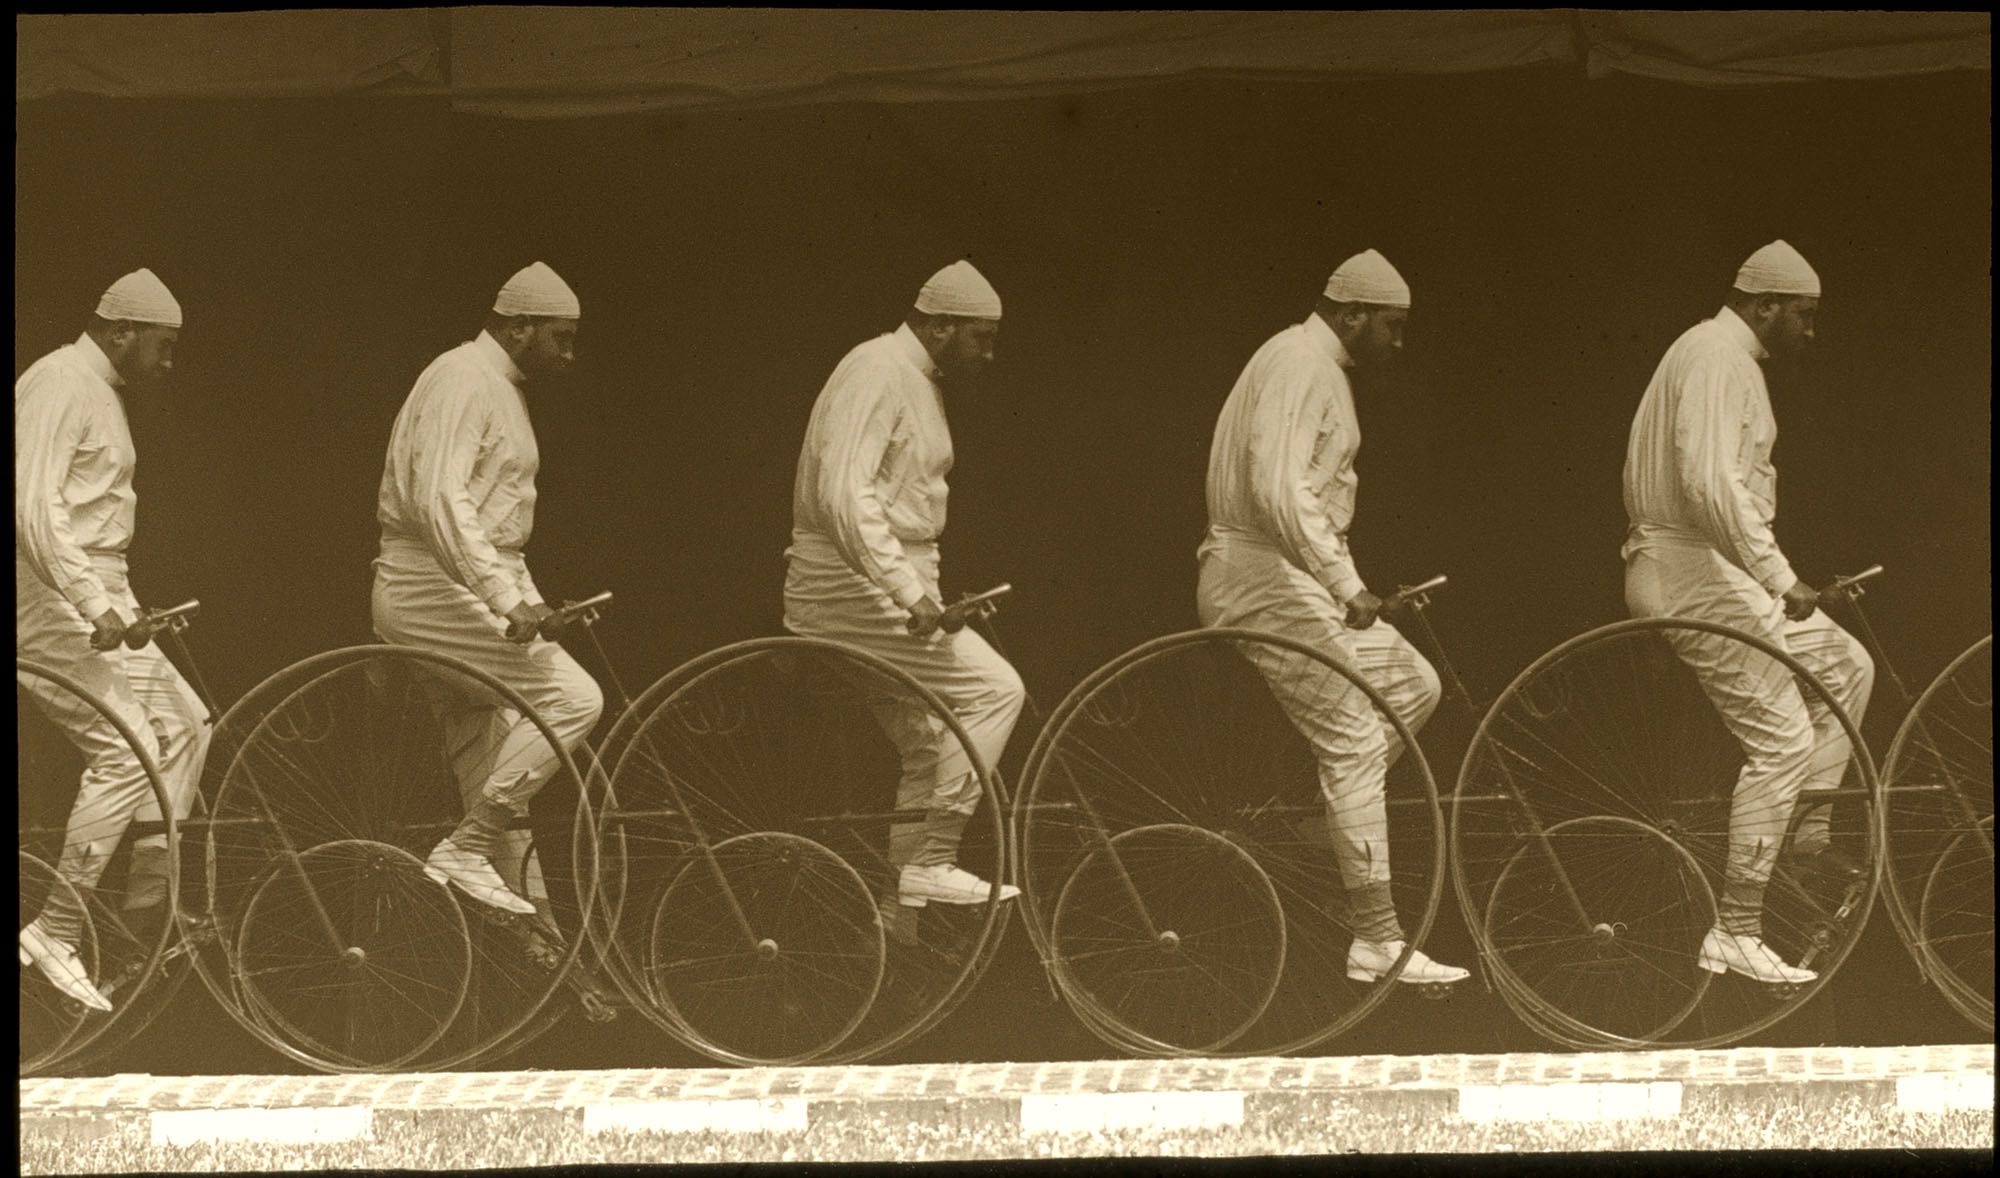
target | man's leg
[
  {"x": 1847, "y": 671},
  {"x": 113, "y": 786},
  {"x": 500, "y": 757},
  {"x": 1757, "y": 700},
  {"x": 178, "y": 719},
  {"x": 986, "y": 696},
  {"x": 1398, "y": 670}
]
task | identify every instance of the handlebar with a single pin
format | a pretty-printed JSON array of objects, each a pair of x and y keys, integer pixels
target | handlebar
[
  {"x": 583, "y": 612},
  {"x": 978, "y": 604},
  {"x": 1851, "y": 585},
  {"x": 1418, "y": 596},
  {"x": 152, "y": 621}
]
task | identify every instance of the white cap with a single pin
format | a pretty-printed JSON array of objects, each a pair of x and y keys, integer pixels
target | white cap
[
  {"x": 1367, "y": 277},
  {"x": 958, "y": 289},
  {"x": 140, "y": 297},
  {"x": 538, "y": 290},
  {"x": 1777, "y": 269}
]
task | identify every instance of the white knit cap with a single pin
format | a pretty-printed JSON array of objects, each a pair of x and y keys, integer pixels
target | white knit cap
[
  {"x": 958, "y": 289},
  {"x": 1367, "y": 277},
  {"x": 538, "y": 290},
  {"x": 140, "y": 297},
  {"x": 1777, "y": 269}
]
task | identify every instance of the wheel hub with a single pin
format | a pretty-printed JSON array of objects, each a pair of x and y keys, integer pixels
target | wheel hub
[
  {"x": 767, "y": 950},
  {"x": 1170, "y": 940},
  {"x": 354, "y": 957}
]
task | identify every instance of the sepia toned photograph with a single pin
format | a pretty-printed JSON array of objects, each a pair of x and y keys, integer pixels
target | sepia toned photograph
[{"x": 784, "y": 587}]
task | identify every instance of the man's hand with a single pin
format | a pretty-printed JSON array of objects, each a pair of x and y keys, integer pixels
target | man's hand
[
  {"x": 522, "y": 622},
  {"x": 925, "y": 617},
  {"x": 1361, "y": 610},
  {"x": 547, "y": 623},
  {"x": 1800, "y": 601},
  {"x": 107, "y": 630}
]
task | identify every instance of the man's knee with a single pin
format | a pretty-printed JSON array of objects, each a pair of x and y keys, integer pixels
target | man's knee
[
  {"x": 1426, "y": 688},
  {"x": 583, "y": 701},
  {"x": 1006, "y": 688},
  {"x": 1860, "y": 667}
]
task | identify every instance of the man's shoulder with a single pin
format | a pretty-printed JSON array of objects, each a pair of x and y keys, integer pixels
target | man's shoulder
[
  {"x": 57, "y": 373},
  {"x": 455, "y": 368},
  {"x": 871, "y": 360},
  {"x": 1292, "y": 354}
]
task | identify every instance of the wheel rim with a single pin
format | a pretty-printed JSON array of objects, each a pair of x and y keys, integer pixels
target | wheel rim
[
  {"x": 768, "y": 949},
  {"x": 793, "y": 736},
  {"x": 1613, "y": 724},
  {"x": 1172, "y": 935},
  {"x": 1956, "y": 923},
  {"x": 1938, "y": 789},
  {"x": 1185, "y": 730}
]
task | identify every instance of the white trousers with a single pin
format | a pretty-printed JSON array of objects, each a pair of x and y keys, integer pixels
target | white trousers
[
  {"x": 141, "y": 687},
  {"x": 498, "y": 754},
  {"x": 1791, "y": 741},
  {"x": 824, "y": 598},
  {"x": 1255, "y": 587}
]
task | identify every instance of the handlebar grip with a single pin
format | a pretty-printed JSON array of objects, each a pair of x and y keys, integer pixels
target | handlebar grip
[
  {"x": 1412, "y": 590},
  {"x": 603, "y": 598},
  {"x": 972, "y": 599},
  {"x": 558, "y": 619},
  {"x": 1847, "y": 582}
]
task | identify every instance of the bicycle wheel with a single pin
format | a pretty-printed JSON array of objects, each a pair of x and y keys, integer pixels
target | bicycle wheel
[
  {"x": 1175, "y": 929},
  {"x": 355, "y": 762},
  {"x": 1627, "y": 975},
  {"x": 49, "y": 708},
  {"x": 807, "y": 739},
  {"x": 1185, "y": 733},
  {"x": 1938, "y": 790},
  {"x": 402, "y": 972},
  {"x": 1602, "y": 767},
  {"x": 767, "y": 948}
]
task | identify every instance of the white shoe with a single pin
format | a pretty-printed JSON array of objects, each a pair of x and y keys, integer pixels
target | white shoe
[
  {"x": 1371, "y": 961},
  {"x": 58, "y": 963},
  {"x": 1749, "y": 956},
  {"x": 947, "y": 884},
  {"x": 450, "y": 863}
]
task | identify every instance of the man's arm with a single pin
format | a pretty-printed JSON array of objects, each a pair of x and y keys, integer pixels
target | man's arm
[
  {"x": 860, "y": 420},
  {"x": 1285, "y": 441},
  {"x": 447, "y": 442},
  {"x": 1712, "y": 449},
  {"x": 48, "y": 429}
]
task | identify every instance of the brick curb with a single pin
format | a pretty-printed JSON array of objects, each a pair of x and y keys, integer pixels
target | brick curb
[{"x": 1028, "y": 1099}]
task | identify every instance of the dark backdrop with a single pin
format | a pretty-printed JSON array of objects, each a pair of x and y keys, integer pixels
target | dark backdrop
[{"x": 1558, "y": 234}]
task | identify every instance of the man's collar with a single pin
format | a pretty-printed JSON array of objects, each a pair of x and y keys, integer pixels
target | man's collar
[
  {"x": 496, "y": 357},
  {"x": 914, "y": 351},
  {"x": 1320, "y": 332},
  {"x": 98, "y": 363},
  {"x": 1740, "y": 333}
]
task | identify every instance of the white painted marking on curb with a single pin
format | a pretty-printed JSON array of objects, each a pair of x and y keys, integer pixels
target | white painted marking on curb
[
  {"x": 1570, "y": 1102},
  {"x": 1937, "y": 1092},
  {"x": 785, "y": 1115},
  {"x": 1095, "y": 1111},
  {"x": 291, "y": 1125}
]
